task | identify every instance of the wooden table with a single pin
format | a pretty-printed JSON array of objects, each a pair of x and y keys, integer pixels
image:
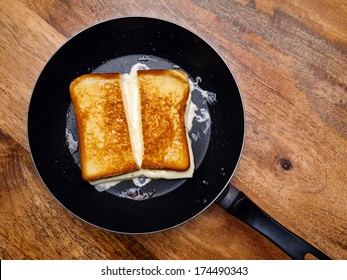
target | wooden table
[{"x": 290, "y": 63}]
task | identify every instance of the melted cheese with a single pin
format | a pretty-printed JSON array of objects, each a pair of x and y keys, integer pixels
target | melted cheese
[{"x": 131, "y": 98}]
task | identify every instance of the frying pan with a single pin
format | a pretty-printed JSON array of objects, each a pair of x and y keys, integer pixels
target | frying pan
[{"x": 113, "y": 46}]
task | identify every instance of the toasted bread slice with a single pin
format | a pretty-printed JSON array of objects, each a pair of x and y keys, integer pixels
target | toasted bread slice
[
  {"x": 105, "y": 147},
  {"x": 163, "y": 98}
]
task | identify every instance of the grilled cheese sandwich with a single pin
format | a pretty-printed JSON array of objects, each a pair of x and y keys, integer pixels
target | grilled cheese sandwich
[{"x": 132, "y": 125}]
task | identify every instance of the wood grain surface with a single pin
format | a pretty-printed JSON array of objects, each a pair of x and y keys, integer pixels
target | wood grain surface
[{"x": 289, "y": 60}]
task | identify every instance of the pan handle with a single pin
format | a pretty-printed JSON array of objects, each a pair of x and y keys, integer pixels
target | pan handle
[{"x": 245, "y": 210}]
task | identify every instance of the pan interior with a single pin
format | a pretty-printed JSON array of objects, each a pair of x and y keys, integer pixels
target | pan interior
[
  {"x": 199, "y": 134},
  {"x": 95, "y": 49}
]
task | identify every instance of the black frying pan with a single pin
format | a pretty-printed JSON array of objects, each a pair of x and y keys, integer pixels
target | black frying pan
[{"x": 113, "y": 46}]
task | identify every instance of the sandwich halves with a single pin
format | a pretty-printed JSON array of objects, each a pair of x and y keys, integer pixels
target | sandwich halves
[{"x": 133, "y": 125}]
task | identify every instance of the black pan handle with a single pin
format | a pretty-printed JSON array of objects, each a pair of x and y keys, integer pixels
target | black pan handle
[{"x": 245, "y": 210}]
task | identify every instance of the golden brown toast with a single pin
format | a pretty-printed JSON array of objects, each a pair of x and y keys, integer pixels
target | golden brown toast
[
  {"x": 105, "y": 148},
  {"x": 163, "y": 95},
  {"x": 132, "y": 125}
]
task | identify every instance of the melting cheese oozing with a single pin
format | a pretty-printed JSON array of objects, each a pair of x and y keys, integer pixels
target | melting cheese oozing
[{"x": 131, "y": 99}]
